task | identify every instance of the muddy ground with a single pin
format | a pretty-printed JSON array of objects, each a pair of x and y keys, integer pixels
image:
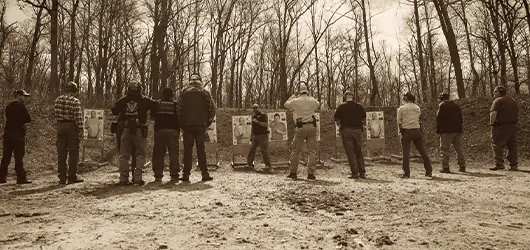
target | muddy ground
[{"x": 250, "y": 210}]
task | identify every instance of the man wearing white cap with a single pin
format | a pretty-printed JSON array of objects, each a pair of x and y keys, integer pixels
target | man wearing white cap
[
  {"x": 303, "y": 107},
  {"x": 259, "y": 138}
]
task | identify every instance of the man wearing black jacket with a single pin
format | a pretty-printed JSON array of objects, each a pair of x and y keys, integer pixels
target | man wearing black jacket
[
  {"x": 167, "y": 133},
  {"x": 449, "y": 127},
  {"x": 17, "y": 117}
]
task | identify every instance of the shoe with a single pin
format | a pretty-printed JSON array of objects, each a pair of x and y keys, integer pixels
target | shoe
[
  {"x": 3, "y": 180},
  {"x": 23, "y": 181},
  {"x": 62, "y": 182},
  {"x": 267, "y": 170},
  {"x": 497, "y": 168},
  {"x": 207, "y": 178},
  {"x": 140, "y": 182},
  {"x": 174, "y": 180},
  {"x": 463, "y": 170},
  {"x": 428, "y": 174},
  {"x": 77, "y": 180},
  {"x": 158, "y": 179},
  {"x": 124, "y": 183},
  {"x": 362, "y": 176},
  {"x": 447, "y": 171},
  {"x": 513, "y": 169},
  {"x": 292, "y": 176},
  {"x": 185, "y": 179},
  {"x": 404, "y": 176},
  {"x": 311, "y": 177}
]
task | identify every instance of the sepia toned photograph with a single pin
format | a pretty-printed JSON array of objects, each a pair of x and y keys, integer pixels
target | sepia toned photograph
[
  {"x": 277, "y": 126},
  {"x": 241, "y": 129},
  {"x": 94, "y": 122}
]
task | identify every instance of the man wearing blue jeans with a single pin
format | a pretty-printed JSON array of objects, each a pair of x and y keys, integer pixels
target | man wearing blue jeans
[
  {"x": 350, "y": 117},
  {"x": 196, "y": 111},
  {"x": 303, "y": 107}
]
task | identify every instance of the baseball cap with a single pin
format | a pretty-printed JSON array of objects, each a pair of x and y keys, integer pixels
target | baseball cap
[
  {"x": 443, "y": 96},
  {"x": 303, "y": 89},
  {"x": 348, "y": 92},
  {"x": 195, "y": 77},
  {"x": 21, "y": 92},
  {"x": 255, "y": 105}
]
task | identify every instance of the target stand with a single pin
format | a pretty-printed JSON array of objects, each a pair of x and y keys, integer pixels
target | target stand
[
  {"x": 279, "y": 145},
  {"x": 239, "y": 150},
  {"x": 92, "y": 143},
  {"x": 318, "y": 157},
  {"x": 210, "y": 148}
]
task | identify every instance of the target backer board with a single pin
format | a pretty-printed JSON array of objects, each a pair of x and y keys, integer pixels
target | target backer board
[
  {"x": 277, "y": 126},
  {"x": 93, "y": 130},
  {"x": 375, "y": 130}
]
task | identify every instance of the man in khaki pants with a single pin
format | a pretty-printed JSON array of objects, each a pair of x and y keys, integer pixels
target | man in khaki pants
[
  {"x": 449, "y": 127},
  {"x": 303, "y": 107}
]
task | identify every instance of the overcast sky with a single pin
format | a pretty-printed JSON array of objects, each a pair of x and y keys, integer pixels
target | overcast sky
[{"x": 388, "y": 19}]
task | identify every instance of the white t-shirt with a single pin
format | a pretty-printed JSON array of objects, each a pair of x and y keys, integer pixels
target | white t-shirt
[{"x": 408, "y": 116}]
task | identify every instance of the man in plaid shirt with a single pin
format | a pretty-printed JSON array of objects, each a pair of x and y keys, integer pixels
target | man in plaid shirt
[
  {"x": 195, "y": 111},
  {"x": 67, "y": 111}
]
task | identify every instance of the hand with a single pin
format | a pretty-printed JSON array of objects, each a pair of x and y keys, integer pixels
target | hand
[{"x": 255, "y": 120}]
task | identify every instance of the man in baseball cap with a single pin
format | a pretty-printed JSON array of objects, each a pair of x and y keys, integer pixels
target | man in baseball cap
[
  {"x": 504, "y": 115},
  {"x": 449, "y": 127},
  {"x": 260, "y": 137},
  {"x": 17, "y": 117}
]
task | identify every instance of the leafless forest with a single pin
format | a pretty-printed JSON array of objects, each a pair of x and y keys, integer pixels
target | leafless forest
[{"x": 258, "y": 51}]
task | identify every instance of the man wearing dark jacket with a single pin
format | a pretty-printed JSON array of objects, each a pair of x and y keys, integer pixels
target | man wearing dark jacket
[
  {"x": 196, "y": 111},
  {"x": 17, "y": 117},
  {"x": 132, "y": 110},
  {"x": 504, "y": 116},
  {"x": 260, "y": 137},
  {"x": 449, "y": 127},
  {"x": 167, "y": 134}
]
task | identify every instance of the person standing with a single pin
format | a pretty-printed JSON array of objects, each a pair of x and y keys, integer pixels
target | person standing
[
  {"x": 350, "y": 116},
  {"x": 408, "y": 121},
  {"x": 504, "y": 115},
  {"x": 196, "y": 111},
  {"x": 69, "y": 116},
  {"x": 449, "y": 127},
  {"x": 303, "y": 107},
  {"x": 167, "y": 134},
  {"x": 17, "y": 117},
  {"x": 132, "y": 110},
  {"x": 260, "y": 137}
]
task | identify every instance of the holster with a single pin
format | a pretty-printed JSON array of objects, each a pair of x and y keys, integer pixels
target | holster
[
  {"x": 314, "y": 121},
  {"x": 144, "y": 131},
  {"x": 299, "y": 123},
  {"x": 114, "y": 127}
]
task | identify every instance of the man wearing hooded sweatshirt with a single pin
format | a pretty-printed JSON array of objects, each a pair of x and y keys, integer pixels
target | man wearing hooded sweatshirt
[
  {"x": 167, "y": 133},
  {"x": 132, "y": 110},
  {"x": 196, "y": 111},
  {"x": 449, "y": 127}
]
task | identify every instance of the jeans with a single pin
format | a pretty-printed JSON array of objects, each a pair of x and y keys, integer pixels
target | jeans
[
  {"x": 414, "y": 136},
  {"x": 263, "y": 142},
  {"x": 166, "y": 139},
  {"x": 307, "y": 133},
  {"x": 14, "y": 143},
  {"x": 191, "y": 136},
  {"x": 67, "y": 147},
  {"x": 130, "y": 141},
  {"x": 446, "y": 140},
  {"x": 352, "y": 140},
  {"x": 504, "y": 136}
]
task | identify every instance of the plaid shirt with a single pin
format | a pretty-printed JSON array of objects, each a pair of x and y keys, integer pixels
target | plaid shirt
[
  {"x": 210, "y": 104},
  {"x": 68, "y": 107}
]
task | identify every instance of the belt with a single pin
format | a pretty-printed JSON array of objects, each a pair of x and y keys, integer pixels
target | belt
[
  {"x": 64, "y": 121},
  {"x": 304, "y": 123},
  {"x": 351, "y": 127}
]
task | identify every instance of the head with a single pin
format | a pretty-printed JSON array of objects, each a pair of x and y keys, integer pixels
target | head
[
  {"x": 92, "y": 114},
  {"x": 20, "y": 95},
  {"x": 499, "y": 91},
  {"x": 348, "y": 96},
  {"x": 276, "y": 117},
  {"x": 167, "y": 93},
  {"x": 241, "y": 120},
  {"x": 71, "y": 87},
  {"x": 303, "y": 89},
  {"x": 195, "y": 79},
  {"x": 255, "y": 108},
  {"x": 374, "y": 116},
  {"x": 134, "y": 88},
  {"x": 443, "y": 97},
  {"x": 409, "y": 98}
]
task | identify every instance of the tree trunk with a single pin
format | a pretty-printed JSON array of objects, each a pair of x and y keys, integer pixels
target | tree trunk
[
  {"x": 447, "y": 27},
  {"x": 161, "y": 35},
  {"x": 476, "y": 77},
  {"x": 494, "y": 10},
  {"x": 423, "y": 76},
  {"x": 54, "y": 77},
  {"x": 36, "y": 36},
  {"x": 373, "y": 79},
  {"x": 73, "y": 43},
  {"x": 155, "y": 53},
  {"x": 430, "y": 46}
]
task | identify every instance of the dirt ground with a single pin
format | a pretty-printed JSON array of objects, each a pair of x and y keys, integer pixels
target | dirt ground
[{"x": 250, "y": 210}]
